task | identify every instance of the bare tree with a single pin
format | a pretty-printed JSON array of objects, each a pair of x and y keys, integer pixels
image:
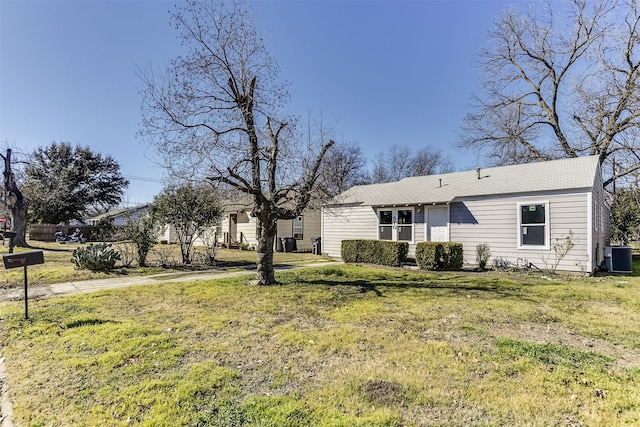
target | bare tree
[
  {"x": 215, "y": 113},
  {"x": 380, "y": 172},
  {"x": 561, "y": 80},
  {"x": 16, "y": 201},
  {"x": 342, "y": 168},
  {"x": 429, "y": 161},
  {"x": 401, "y": 162}
]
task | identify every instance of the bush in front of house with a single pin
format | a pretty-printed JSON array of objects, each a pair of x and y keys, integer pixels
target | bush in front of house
[
  {"x": 95, "y": 257},
  {"x": 446, "y": 256},
  {"x": 379, "y": 252},
  {"x": 483, "y": 253}
]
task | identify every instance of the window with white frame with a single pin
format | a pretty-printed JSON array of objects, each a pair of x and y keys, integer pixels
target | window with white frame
[
  {"x": 405, "y": 225},
  {"x": 385, "y": 225},
  {"x": 533, "y": 224},
  {"x": 298, "y": 227},
  {"x": 395, "y": 224}
]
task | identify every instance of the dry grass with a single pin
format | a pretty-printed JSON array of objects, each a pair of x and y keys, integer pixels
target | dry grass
[
  {"x": 336, "y": 346},
  {"x": 162, "y": 259}
]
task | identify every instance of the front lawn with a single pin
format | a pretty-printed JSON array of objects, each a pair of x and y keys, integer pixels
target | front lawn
[
  {"x": 335, "y": 346},
  {"x": 58, "y": 267}
]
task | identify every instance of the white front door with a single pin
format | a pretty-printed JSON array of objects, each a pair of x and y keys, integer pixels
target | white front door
[{"x": 438, "y": 224}]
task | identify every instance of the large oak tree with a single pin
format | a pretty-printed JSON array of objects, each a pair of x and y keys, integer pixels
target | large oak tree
[
  {"x": 66, "y": 182},
  {"x": 216, "y": 113},
  {"x": 561, "y": 79}
]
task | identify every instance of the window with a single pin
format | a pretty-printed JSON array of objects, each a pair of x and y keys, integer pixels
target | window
[
  {"x": 386, "y": 225},
  {"x": 297, "y": 228},
  {"x": 395, "y": 224},
  {"x": 533, "y": 224},
  {"x": 405, "y": 225}
]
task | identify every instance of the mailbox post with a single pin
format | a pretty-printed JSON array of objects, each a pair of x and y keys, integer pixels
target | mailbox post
[{"x": 23, "y": 259}]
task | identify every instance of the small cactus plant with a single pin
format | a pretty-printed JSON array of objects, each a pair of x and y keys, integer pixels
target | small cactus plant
[{"x": 95, "y": 257}]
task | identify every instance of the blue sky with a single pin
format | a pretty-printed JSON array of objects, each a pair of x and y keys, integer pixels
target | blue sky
[{"x": 380, "y": 72}]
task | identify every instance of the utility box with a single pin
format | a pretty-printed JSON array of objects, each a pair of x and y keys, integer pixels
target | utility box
[
  {"x": 316, "y": 246},
  {"x": 618, "y": 259}
]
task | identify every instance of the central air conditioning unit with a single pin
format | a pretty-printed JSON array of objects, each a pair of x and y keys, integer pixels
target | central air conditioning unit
[{"x": 618, "y": 259}]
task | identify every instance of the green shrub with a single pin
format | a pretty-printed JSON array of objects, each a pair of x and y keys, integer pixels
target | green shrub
[
  {"x": 454, "y": 256},
  {"x": 95, "y": 257},
  {"x": 439, "y": 256},
  {"x": 428, "y": 255},
  {"x": 142, "y": 233},
  {"x": 380, "y": 252},
  {"x": 349, "y": 251}
]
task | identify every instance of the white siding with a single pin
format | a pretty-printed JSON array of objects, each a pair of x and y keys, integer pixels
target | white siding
[
  {"x": 482, "y": 220},
  {"x": 167, "y": 234},
  {"x": 419, "y": 229},
  {"x": 246, "y": 231},
  {"x": 347, "y": 223},
  {"x": 246, "y": 224},
  {"x": 224, "y": 224},
  {"x": 495, "y": 222},
  {"x": 311, "y": 228}
]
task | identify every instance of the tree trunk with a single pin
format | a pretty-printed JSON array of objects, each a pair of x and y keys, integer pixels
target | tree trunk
[
  {"x": 19, "y": 223},
  {"x": 265, "y": 273},
  {"x": 17, "y": 202}
]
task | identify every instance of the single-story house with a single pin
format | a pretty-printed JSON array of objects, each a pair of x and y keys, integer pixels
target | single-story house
[
  {"x": 119, "y": 216},
  {"x": 523, "y": 212},
  {"x": 167, "y": 234},
  {"x": 239, "y": 226}
]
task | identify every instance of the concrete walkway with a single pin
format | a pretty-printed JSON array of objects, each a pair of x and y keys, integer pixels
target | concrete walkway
[{"x": 87, "y": 286}]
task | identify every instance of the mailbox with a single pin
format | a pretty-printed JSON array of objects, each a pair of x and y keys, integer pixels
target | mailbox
[{"x": 23, "y": 259}]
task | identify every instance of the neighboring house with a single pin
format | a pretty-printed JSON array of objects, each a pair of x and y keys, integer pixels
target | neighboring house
[
  {"x": 523, "y": 212},
  {"x": 120, "y": 216},
  {"x": 5, "y": 215},
  {"x": 239, "y": 226},
  {"x": 167, "y": 234}
]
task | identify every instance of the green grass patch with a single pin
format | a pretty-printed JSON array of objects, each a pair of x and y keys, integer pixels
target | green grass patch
[
  {"x": 553, "y": 354},
  {"x": 334, "y": 346}
]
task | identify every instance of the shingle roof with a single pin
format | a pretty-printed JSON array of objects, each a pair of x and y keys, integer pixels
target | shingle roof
[
  {"x": 240, "y": 204},
  {"x": 564, "y": 174},
  {"x": 117, "y": 211}
]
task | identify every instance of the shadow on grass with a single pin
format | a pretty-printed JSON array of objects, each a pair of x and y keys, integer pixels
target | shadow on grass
[
  {"x": 70, "y": 250},
  {"x": 453, "y": 284},
  {"x": 87, "y": 322}
]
